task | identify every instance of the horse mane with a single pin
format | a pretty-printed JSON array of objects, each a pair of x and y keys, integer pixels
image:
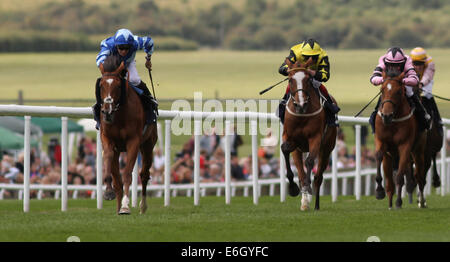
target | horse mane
[{"x": 111, "y": 63}]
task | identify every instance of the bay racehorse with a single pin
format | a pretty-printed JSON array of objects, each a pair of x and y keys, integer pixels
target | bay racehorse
[
  {"x": 305, "y": 130},
  {"x": 397, "y": 136},
  {"x": 122, "y": 129},
  {"x": 433, "y": 146}
]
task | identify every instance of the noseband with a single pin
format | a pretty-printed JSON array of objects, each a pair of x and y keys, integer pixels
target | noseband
[
  {"x": 394, "y": 105},
  {"x": 109, "y": 100}
]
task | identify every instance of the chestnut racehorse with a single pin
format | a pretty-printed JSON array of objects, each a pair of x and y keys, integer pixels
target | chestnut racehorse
[
  {"x": 397, "y": 136},
  {"x": 123, "y": 129},
  {"x": 305, "y": 130}
]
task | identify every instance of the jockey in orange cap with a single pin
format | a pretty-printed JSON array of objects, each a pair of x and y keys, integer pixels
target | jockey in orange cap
[{"x": 425, "y": 67}]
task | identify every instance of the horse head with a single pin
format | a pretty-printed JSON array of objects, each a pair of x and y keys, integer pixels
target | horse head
[
  {"x": 300, "y": 85},
  {"x": 392, "y": 93},
  {"x": 110, "y": 88}
]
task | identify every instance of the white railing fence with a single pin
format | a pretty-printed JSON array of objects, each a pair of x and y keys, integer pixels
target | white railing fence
[{"x": 198, "y": 189}]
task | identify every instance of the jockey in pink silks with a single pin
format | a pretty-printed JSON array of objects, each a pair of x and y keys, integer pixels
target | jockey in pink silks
[{"x": 393, "y": 63}]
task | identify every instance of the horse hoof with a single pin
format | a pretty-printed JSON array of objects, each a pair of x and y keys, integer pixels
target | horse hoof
[
  {"x": 143, "y": 208},
  {"x": 423, "y": 205},
  {"x": 109, "y": 195},
  {"x": 398, "y": 204},
  {"x": 380, "y": 194},
  {"x": 294, "y": 190},
  {"x": 124, "y": 211},
  {"x": 410, "y": 198},
  {"x": 304, "y": 207}
]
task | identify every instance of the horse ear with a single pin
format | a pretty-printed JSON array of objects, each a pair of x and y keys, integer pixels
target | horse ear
[
  {"x": 121, "y": 67},
  {"x": 288, "y": 62},
  {"x": 309, "y": 62},
  {"x": 102, "y": 70}
]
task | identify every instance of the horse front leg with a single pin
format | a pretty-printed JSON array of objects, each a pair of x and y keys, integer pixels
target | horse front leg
[
  {"x": 132, "y": 151},
  {"x": 388, "y": 174},
  {"x": 147, "y": 161},
  {"x": 379, "y": 192},
  {"x": 410, "y": 182},
  {"x": 287, "y": 147},
  {"x": 314, "y": 147},
  {"x": 419, "y": 172},
  {"x": 297, "y": 155},
  {"x": 403, "y": 166}
]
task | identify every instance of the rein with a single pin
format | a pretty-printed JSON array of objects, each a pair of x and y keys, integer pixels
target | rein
[{"x": 304, "y": 115}]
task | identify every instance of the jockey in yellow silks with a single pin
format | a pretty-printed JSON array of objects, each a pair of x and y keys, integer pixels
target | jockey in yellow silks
[{"x": 319, "y": 70}]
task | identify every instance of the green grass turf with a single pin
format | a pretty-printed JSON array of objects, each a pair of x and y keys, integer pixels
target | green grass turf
[{"x": 213, "y": 220}]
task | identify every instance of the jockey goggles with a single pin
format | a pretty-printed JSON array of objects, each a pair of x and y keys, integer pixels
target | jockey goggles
[{"x": 123, "y": 47}]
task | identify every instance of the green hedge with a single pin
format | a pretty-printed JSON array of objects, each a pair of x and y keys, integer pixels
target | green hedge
[{"x": 51, "y": 42}]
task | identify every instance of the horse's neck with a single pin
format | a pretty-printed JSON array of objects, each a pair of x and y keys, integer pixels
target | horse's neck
[{"x": 315, "y": 97}]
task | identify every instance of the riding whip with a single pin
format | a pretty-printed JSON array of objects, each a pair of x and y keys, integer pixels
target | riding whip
[
  {"x": 368, "y": 104},
  {"x": 440, "y": 97},
  {"x": 151, "y": 82},
  {"x": 151, "y": 78},
  {"x": 270, "y": 87}
]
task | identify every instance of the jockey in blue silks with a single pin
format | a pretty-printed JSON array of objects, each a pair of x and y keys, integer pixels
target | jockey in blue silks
[{"x": 125, "y": 45}]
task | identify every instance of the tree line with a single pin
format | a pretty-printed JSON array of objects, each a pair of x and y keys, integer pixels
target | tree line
[{"x": 79, "y": 25}]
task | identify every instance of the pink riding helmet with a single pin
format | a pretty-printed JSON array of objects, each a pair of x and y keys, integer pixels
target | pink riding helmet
[{"x": 395, "y": 55}]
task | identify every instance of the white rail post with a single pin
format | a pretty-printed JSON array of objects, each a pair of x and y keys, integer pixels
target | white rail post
[
  {"x": 227, "y": 163},
  {"x": 197, "y": 133},
  {"x": 282, "y": 169},
  {"x": 357, "y": 188},
  {"x": 443, "y": 163},
  {"x": 64, "y": 163},
  {"x": 334, "y": 178},
  {"x": 167, "y": 135},
  {"x": 26, "y": 166},
  {"x": 254, "y": 134},
  {"x": 99, "y": 164},
  {"x": 134, "y": 185}
]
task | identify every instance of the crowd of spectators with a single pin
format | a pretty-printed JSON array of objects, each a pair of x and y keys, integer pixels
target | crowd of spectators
[{"x": 45, "y": 166}]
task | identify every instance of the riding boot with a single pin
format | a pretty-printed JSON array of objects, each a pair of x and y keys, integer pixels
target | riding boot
[
  {"x": 282, "y": 107},
  {"x": 373, "y": 115},
  {"x": 435, "y": 110},
  {"x": 333, "y": 108},
  {"x": 422, "y": 114},
  {"x": 149, "y": 103}
]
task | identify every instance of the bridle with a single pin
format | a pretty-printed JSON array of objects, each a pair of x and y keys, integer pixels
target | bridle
[
  {"x": 394, "y": 104},
  {"x": 296, "y": 104},
  {"x": 109, "y": 100}
]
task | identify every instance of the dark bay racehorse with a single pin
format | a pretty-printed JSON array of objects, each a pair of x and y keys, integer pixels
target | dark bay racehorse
[
  {"x": 305, "y": 130},
  {"x": 433, "y": 146},
  {"x": 397, "y": 136},
  {"x": 122, "y": 130}
]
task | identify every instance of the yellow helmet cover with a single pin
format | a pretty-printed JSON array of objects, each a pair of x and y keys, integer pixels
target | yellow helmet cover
[{"x": 419, "y": 54}]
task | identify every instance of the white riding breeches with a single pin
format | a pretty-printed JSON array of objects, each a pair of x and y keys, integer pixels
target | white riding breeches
[
  {"x": 409, "y": 91},
  {"x": 427, "y": 90},
  {"x": 134, "y": 77}
]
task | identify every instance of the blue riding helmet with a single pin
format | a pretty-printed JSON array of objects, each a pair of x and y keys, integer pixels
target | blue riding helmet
[{"x": 123, "y": 37}]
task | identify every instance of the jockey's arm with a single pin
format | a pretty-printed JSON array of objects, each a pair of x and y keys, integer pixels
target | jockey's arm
[
  {"x": 428, "y": 75},
  {"x": 377, "y": 78},
  {"x": 323, "y": 70},
  {"x": 283, "y": 68},
  {"x": 105, "y": 51}
]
